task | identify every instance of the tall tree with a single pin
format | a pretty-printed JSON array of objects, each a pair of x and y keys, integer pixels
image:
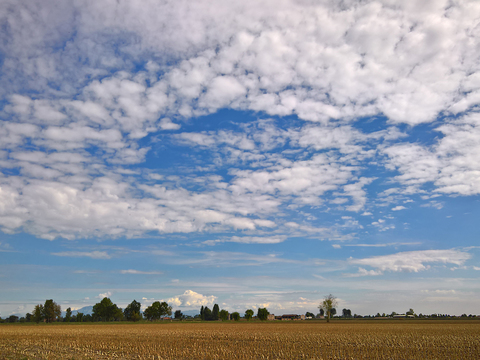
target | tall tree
[
  {"x": 328, "y": 305},
  {"x": 68, "y": 315},
  {"x": 215, "y": 312},
  {"x": 235, "y": 316},
  {"x": 202, "y": 313},
  {"x": 51, "y": 310},
  {"x": 105, "y": 310},
  {"x": 79, "y": 317},
  {"x": 38, "y": 313},
  {"x": 347, "y": 313},
  {"x": 207, "y": 313},
  {"x": 249, "y": 314},
  {"x": 132, "y": 311},
  {"x": 262, "y": 314},
  {"x": 157, "y": 310}
]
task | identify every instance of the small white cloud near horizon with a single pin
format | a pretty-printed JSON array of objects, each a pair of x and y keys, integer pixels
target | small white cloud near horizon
[
  {"x": 106, "y": 294},
  {"x": 192, "y": 299},
  {"x": 397, "y": 208}
]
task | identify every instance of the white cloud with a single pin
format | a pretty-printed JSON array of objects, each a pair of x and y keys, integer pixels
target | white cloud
[
  {"x": 249, "y": 240},
  {"x": 90, "y": 110},
  {"x": 167, "y": 124},
  {"x": 398, "y": 208},
  {"x": 106, "y": 294},
  {"x": 413, "y": 261},
  {"x": 192, "y": 299},
  {"x": 451, "y": 164},
  {"x": 90, "y": 254},
  {"x": 364, "y": 272},
  {"x": 139, "y": 272}
]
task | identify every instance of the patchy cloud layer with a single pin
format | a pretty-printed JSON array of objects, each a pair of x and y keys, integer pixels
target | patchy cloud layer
[{"x": 84, "y": 125}]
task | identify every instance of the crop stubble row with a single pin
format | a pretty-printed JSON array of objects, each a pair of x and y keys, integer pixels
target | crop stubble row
[{"x": 269, "y": 340}]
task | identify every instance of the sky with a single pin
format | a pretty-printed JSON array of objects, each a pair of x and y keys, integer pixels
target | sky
[{"x": 251, "y": 154}]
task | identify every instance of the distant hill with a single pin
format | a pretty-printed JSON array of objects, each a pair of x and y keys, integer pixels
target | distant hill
[
  {"x": 85, "y": 310},
  {"x": 191, "y": 312}
]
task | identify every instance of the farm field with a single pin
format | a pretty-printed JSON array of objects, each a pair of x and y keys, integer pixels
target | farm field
[{"x": 408, "y": 339}]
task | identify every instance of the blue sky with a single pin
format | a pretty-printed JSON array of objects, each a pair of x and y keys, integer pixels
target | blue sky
[{"x": 241, "y": 153}]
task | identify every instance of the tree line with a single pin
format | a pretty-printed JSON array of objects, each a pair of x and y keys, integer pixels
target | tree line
[
  {"x": 216, "y": 314},
  {"x": 106, "y": 310}
]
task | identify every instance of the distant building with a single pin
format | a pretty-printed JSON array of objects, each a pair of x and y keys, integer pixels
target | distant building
[{"x": 271, "y": 317}]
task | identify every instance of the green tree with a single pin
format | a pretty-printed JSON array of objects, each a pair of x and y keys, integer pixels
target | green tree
[
  {"x": 38, "y": 313},
  {"x": 215, "y": 312},
  {"x": 223, "y": 315},
  {"x": 105, "y": 310},
  {"x": 235, "y": 316},
  {"x": 328, "y": 304},
  {"x": 12, "y": 319},
  {"x": 207, "y": 313},
  {"x": 132, "y": 311},
  {"x": 202, "y": 313},
  {"x": 178, "y": 315},
  {"x": 157, "y": 310},
  {"x": 51, "y": 310},
  {"x": 410, "y": 312},
  {"x": 309, "y": 314},
  {"x": 68, "y": 315},
  {"x": 322, "y": 312},
  {"x": 118, "y": 314},
  {"x": 347, "y": 313},
  {"x": 262, "y": 314},
  {"x": 28, "y": 316},
  {"x": 79, "y": 317},
  {"x": 249, "y": 314}
]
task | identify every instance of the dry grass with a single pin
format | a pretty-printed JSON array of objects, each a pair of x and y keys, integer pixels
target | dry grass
[{"x": 270, "y": 340}]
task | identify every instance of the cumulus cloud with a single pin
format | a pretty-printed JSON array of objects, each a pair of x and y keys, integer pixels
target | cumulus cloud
[
  {"x": 413, "y": 261},
  {"x": 104, "y": 295},
  {"x": 192, "y": 299}
]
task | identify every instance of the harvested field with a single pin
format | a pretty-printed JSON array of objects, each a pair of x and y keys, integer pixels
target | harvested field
[{"x": 269, "y": 340}]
